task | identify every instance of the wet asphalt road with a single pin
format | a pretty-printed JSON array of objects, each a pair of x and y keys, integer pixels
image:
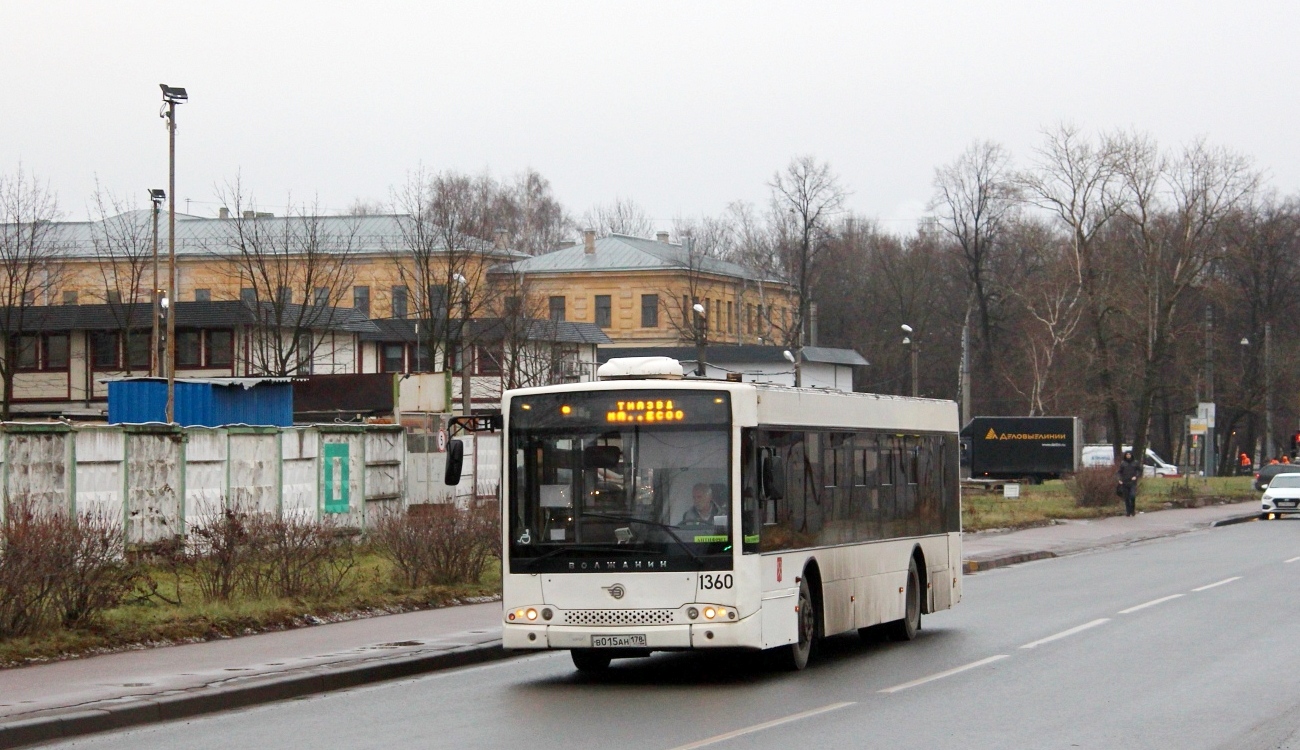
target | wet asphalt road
[{"x": 1054, "y": 654}]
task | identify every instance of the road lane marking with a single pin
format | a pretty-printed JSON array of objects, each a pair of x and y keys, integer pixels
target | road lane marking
[
  {"x": 765, "y": 725},
  {"x": 1151, "y": 603},
  {"x": 941, "y": 675},
  {"x": 1217, "y": 583},
  {"x": 1291, "y": 560},
  {"x": 1067, "y": 633}
]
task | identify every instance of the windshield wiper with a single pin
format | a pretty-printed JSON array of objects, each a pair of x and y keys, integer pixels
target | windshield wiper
[
  {"x": 699, "y": 561},
  {"x": 575, "y": 548}
]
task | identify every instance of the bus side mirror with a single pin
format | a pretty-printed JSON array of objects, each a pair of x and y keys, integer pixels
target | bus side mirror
[
  {"x": 455, "y": 462},
  {"x": 773, "y": 478}
]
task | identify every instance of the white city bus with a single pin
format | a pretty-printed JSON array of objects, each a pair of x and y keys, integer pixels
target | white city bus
[{"x": 649, "y": 513}]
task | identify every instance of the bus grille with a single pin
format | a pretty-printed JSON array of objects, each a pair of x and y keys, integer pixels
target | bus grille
[{"x": 619, "y": 617}]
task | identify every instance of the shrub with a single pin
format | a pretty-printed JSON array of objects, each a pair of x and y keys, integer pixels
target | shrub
[
  {"x": 437, "y": 543},
  {"x": 256, "y": 554},
  {"x": 57, "y": 569},
  {"x": 1093, "y": 487}
]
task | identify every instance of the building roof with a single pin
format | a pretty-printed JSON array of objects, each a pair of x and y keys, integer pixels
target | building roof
[
  {"x": 201, "y": 236},
  {"x": 731, "y": 354},
  {"x": 620, "y": 252},
  {"x": 494, "y": 329},
  {"x": 219, "y": 314}
]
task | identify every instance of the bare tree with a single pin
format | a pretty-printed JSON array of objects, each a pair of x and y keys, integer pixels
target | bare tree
[
  {"x": 974, "y": 196},
  {"x": 31, "y": 269},
  {"x": 1075, "y": 180},
  {"x": 620, "y": 216},
  {"x": 293, "y": 272},
  {"x": 528, "y": 212},
  {"x": 123, "y": 245},
  {"x": 806, "y": 198},
  {"x": 1174, "y": 220},
  {"x": 442, "y": 255}
]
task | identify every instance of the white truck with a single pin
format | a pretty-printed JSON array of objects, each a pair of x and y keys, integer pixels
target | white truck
[{"x": 1104, "y": 455}]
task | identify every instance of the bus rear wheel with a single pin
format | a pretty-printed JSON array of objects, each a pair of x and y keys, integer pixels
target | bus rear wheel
[
  {"x": 796, "y": 656},
  {"x": 907, "y": 628},
  {"x": 590, "y": 660}
]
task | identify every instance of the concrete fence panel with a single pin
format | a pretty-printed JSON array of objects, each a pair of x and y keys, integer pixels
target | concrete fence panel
[
  {"x": 154, "y": 483},
  {"x": 98, "y": 474}
]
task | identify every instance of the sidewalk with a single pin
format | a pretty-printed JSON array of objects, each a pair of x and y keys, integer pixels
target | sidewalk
[
  {"x": 985, "y": 550},
  {"x": 80, "y": 696}
]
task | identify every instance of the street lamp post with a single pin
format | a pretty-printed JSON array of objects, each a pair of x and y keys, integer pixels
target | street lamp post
[
  {"x": 912, "y": 346},
  {"x": 172, "y": 96},
  {"x": 1268, "y": 391},
  {"x": 701, "y": 341},
  {"x": 797, "y": 361},
  {"x": 466, "y": 382},
  {"x": 156, "y": 196}
]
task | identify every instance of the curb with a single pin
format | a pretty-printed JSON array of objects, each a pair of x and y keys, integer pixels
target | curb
[
  {"x": 204, "y": 701},
  {"x": 975, "y": 566},
  {"x": 1236, "y": 520}
]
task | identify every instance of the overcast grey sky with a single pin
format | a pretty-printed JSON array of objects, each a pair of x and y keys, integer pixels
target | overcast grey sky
[{"x": 682, "y": 107}]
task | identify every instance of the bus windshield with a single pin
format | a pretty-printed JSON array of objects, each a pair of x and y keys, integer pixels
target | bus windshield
[{"x": 596, "y": 486}]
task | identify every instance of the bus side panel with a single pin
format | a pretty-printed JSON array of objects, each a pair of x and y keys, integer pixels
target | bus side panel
[{"x": 954, "y": 563}]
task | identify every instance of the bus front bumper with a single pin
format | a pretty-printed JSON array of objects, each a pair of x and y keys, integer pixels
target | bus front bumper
[{"x": 744, "y": 633}]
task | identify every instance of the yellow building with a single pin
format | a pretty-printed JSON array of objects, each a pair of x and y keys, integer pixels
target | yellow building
[{"x": 643, "y": 292}]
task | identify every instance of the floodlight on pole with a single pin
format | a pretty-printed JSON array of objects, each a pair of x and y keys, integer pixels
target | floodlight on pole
[
  {"x": 172, "y": 95},
  {"x": 906, "y": 328},
  {"x": 911, "y": 344}
]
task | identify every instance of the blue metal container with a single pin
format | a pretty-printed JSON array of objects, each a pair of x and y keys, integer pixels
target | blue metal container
[{"x": 214, "y": 402}]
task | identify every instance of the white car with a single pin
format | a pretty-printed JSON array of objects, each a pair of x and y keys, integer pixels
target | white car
[{"x": 1282, "y": 496}]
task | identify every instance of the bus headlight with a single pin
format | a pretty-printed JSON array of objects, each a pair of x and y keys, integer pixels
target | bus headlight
[
  {"x": 709, "y": 613},
  {"x": 531, "y": 614}
]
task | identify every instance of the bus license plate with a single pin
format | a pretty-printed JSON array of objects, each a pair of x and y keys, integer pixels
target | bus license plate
[{"x": 618, "y": 641}]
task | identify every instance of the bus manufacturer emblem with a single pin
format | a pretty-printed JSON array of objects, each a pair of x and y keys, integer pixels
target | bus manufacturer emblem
[{"x": 617, "y": 591}]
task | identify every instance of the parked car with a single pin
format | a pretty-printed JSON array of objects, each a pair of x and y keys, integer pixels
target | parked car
[
  {"x": 1282, "y": 495},
  {"x": 1266, "y": 473},
  {"x": 1104, "y": 455}
]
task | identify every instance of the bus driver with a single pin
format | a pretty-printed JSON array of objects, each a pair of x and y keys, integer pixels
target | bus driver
[{"x": 702, "y": 509}]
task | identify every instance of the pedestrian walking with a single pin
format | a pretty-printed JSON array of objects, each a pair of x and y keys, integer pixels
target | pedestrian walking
[
  {"x": 1128, "y": 474},
  {"x": 1244, "y": 463}
]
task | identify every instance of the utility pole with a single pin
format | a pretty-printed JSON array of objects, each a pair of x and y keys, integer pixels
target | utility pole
[
  {"x": 156, "y": 196},
  {"x": 1268, "y": 393},
  {"x": 1209, "y": 390},
  {"x": 171, "y": 96},
  {"x": 964, "y": 377}
]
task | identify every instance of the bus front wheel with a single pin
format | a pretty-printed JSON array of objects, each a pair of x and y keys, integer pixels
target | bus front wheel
[
  {"x": 590, "y": 660},
  {"x": 907, "y": 628},
  {"x": 796, "y": 655}
]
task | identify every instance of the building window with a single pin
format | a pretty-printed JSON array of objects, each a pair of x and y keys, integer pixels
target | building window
[
  {"x": 557, "y": 309},
  {"x": 749, "y": 318},
  {"x": 221, "y": 348},
  {"x": 391, "y": 357},
  {"x": 729, "y": 319},
  {"x": 303, "y": 349},
  {"x": 202, "y": 295},
  {"x": 513, "y": 308},
  {"x": 361, "y": 299},
  {"x": 103, "y": 350},
  {"x": 604, "y": 311},
  {"x": 649, "y": 311},
  {"x": 69, "y": 298},
  {"x": 321, "y": 296},
  {"x": 284, "y": 295},
  {"x": 26, "y": 351},
  {"x": 55, "y": 351},
  {"x": 399, "y": 302},
  {"x": 137, "y": 350},
  {"x": 114, "y": 297},
  {"x": 189, "y": 349},
  {"x": 248, "y": 295},
  {"x": 488, "y": 359},
  {"x": 437, "y": 300}
]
